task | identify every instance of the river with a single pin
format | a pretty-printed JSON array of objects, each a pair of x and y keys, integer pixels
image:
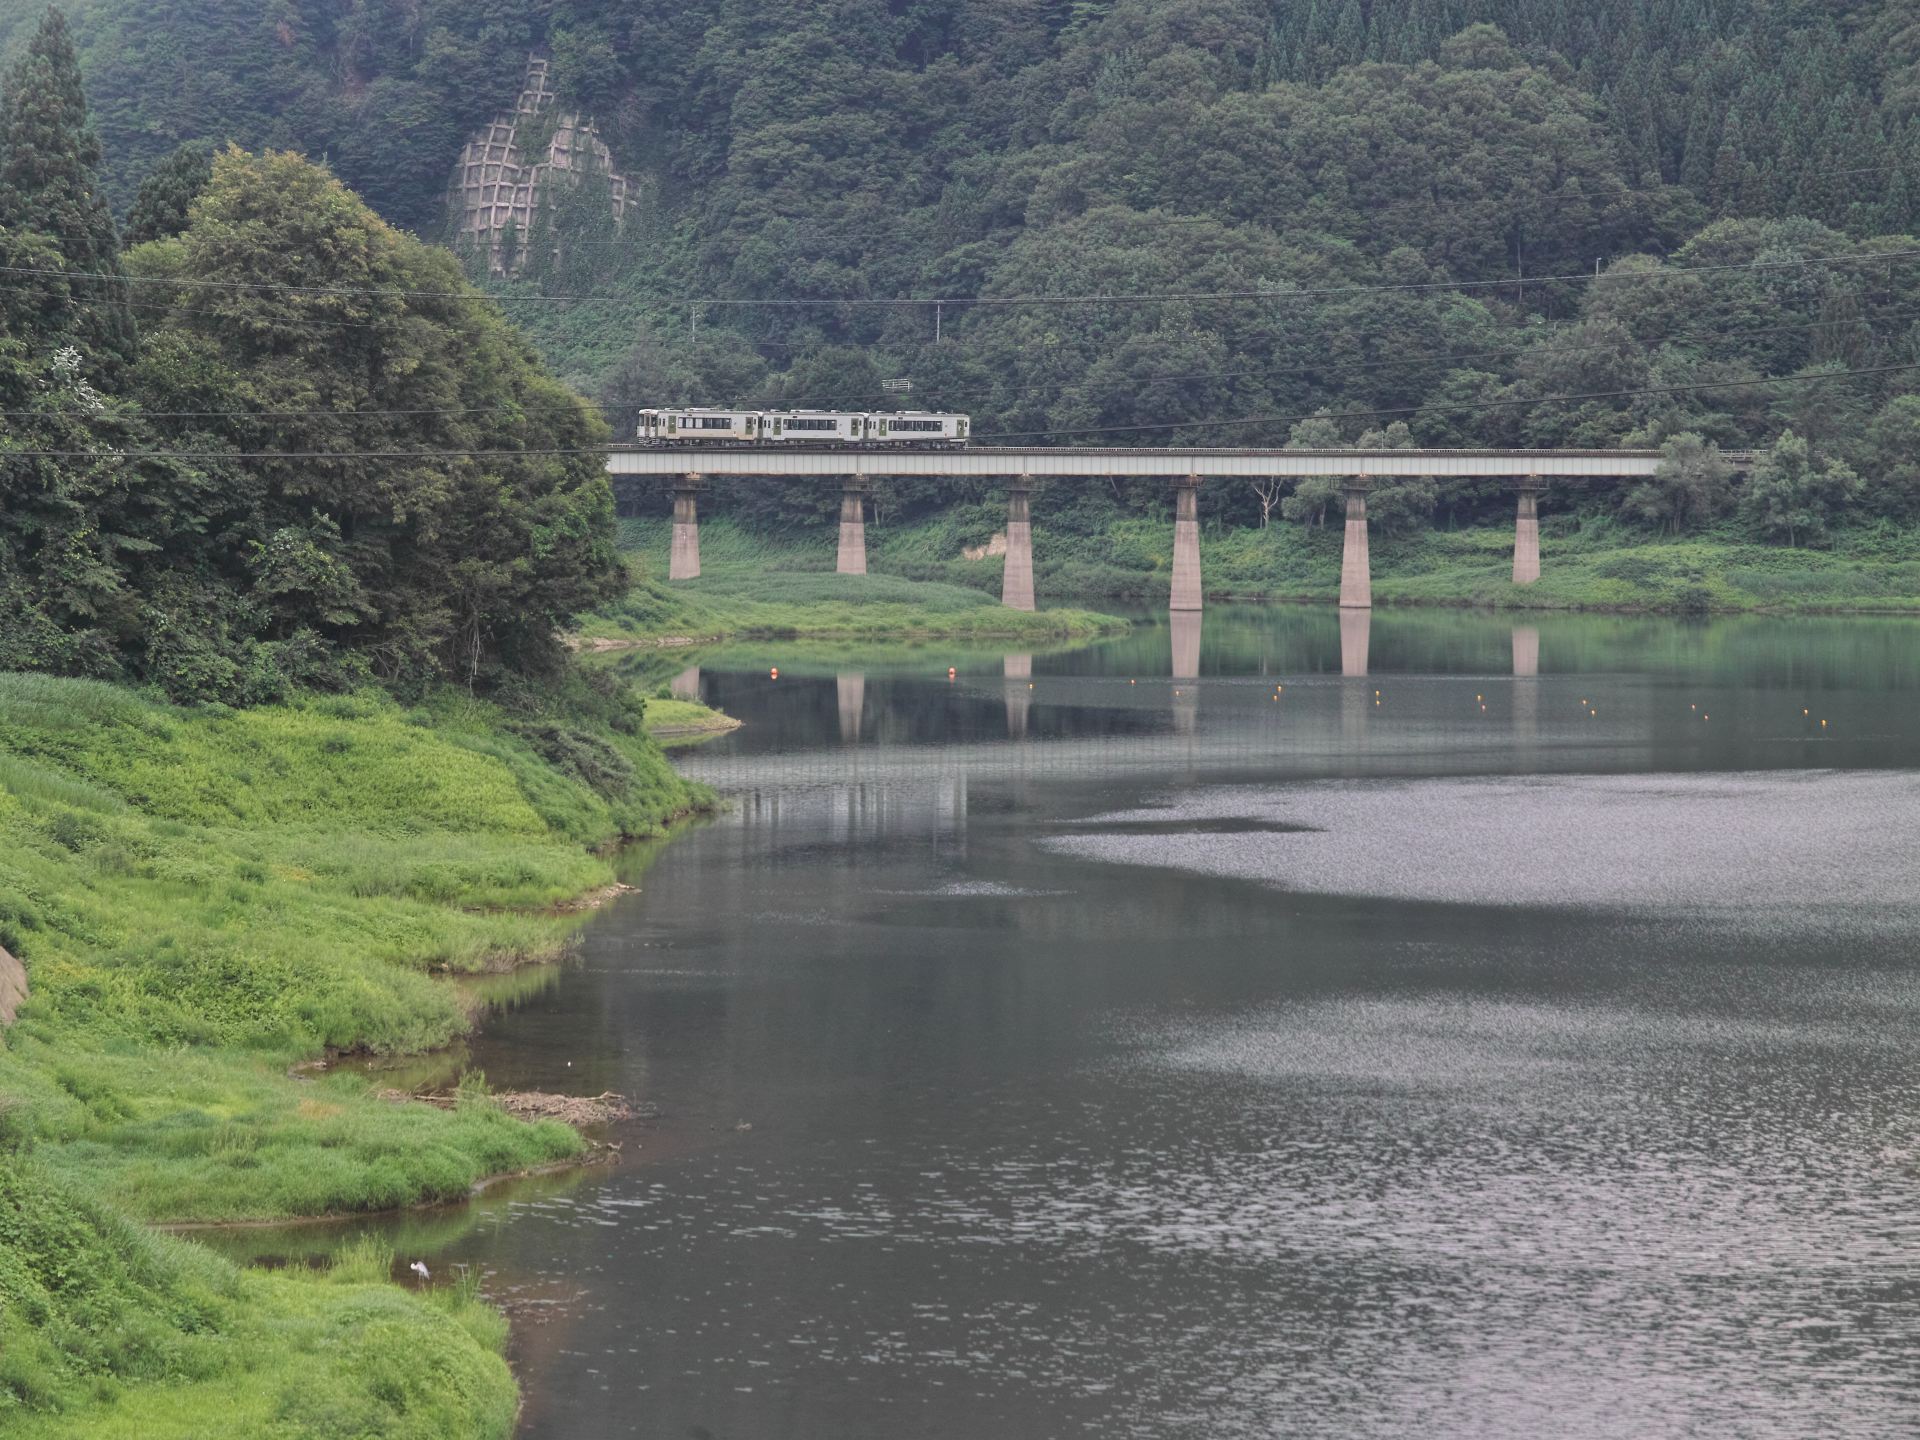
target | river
[{"x": 1437, "y": 1026}]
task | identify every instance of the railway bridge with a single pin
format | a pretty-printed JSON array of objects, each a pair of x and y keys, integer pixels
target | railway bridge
[{"x": 686, "y": 467}]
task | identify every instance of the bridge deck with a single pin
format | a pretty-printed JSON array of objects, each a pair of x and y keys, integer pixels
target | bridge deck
[{"x": 986, "y": 461}]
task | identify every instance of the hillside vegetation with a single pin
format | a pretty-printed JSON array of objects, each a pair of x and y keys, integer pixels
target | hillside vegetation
[{"x": 1494, "y": 221}]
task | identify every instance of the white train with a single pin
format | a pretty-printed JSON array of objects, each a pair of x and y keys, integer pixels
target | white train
[{"x": 801, "y": 427}]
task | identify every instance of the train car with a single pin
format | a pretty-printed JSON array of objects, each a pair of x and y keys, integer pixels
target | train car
[
  {"x": 852, "y": 428},
  {"x": 696, "y": 426},
  {"x": 821, "y": 427},
  {"x": 920, "y": 427}
]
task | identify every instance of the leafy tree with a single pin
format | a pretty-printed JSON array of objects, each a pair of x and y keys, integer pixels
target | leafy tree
[
  {"x": 1312, "y": 496},
  {"x": 1794, "y": 498},
  {"x": 404, "y": 482},
  {"x": 1892, "y": 460},
  {"x": 1692, "y": 486}
]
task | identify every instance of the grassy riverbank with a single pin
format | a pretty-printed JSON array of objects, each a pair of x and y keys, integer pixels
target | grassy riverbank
[
  {"x": 1595, "y": 566},
  {"x": 672, "y": 721},
  {"x": 113, "y": 1332},
  {"x": 1089, "y": 549},
  {"x": 756, "y": 588},
  {"x": 203, "y": 898}
]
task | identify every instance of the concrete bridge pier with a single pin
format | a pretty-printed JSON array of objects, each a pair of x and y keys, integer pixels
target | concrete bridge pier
[
  {"x": 853, "y": 526},
  {"x": 1356, "y": 573},
  {"x": 1016, "y": 582},
  {"x": 1187, "y": 591},
  {"x": 686, "y": 685},
  {"x": 683, "y": 563},
  {"x": 1526, "y": 533}
]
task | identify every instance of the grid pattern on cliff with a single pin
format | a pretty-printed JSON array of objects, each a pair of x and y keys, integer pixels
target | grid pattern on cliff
[{"x": 497, "y": 184}]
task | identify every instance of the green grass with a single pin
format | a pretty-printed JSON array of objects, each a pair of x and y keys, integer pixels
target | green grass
[
  {"x": 111, "y": 1332},
  {"x": 755, "y": 588},
  {"x": 1594, "y": 563},
  {"x": 201, "y": 899},
  {"x": 675, "y": 723}
]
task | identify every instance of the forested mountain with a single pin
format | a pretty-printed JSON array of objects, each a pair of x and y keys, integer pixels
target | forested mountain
[{"x": 1495, "y": 221}]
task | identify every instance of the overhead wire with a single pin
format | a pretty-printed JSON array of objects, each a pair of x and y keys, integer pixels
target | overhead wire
[
  {"x": 965, "y": 301},
  {"x": 1455, "y": 407},
  {"x": 1123, "y": 382},
  {"x": 1519, "y": 402}
]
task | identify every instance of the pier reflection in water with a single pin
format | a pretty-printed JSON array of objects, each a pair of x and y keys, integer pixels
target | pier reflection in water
[
  {"x": 852, "y": 687},
  {"x": 1183, "y": 633},
  {"x": 1018, "y": 673},
  {"x": 1110, "y": 1072}
]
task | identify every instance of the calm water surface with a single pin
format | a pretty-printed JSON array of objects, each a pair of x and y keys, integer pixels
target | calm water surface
[{"x": 1256, "y": 1027}]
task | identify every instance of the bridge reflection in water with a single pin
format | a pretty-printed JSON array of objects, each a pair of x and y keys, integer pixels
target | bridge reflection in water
[{"x": 1307, "y": 711}]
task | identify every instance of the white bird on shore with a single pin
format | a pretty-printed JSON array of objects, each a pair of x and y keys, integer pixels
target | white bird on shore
[{"x": 419, "y": 1269}]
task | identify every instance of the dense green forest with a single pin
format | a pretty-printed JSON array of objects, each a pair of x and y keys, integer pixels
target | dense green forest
[
  {"x": 183, "y": 498},
  {"x": 1697, "y": 218}
]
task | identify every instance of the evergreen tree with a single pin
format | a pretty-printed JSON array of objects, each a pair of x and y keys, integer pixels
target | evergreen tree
[
  {"x": 49, "y": 159},
  {"x": 160, "y": 208}
]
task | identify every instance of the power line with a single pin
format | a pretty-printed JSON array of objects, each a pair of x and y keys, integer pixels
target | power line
[
  {"x": 1516, "y": 403},
  {"x": 973, "y": 301},
  {"x": 6, "y": 453},
  {"x": 1124, "y": 382},
  {"x": 1528, "y": 351},
  {"x": 469, "y": 454}
]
